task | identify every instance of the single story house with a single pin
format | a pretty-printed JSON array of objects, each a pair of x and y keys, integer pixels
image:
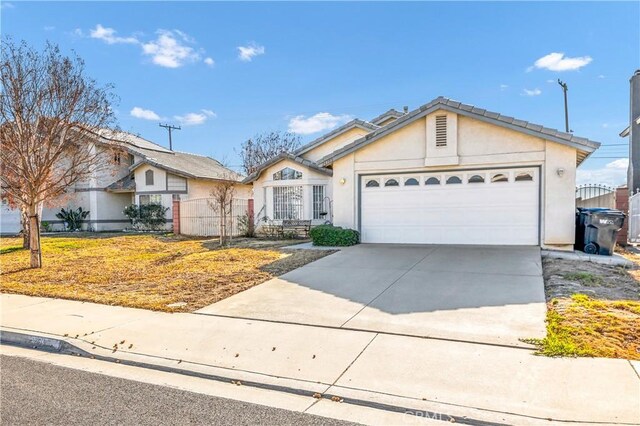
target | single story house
[
  {"x": 133, "y": 170},
  {"x": 444, "y": 173}
]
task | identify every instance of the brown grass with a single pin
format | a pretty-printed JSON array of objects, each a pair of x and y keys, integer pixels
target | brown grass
[
  {"x": 593, "y": 310},
  {"x": 142, "y": 271}
]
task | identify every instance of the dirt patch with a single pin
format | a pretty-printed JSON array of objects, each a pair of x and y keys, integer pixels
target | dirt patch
[
  {"x": 294, "y": 260},
  {"x": 564, "y": 278},
  {"x": 593, "y": 309}
]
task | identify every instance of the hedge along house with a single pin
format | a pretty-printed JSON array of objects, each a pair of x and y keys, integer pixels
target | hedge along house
[
  {"x": 133, "y": 170},
  {"x": 445, "y": 173}
]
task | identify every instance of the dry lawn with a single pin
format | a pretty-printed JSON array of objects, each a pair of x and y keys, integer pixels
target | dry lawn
[
  {"x": 593, "y": 309},
  {"x": 144, "y": 271}
]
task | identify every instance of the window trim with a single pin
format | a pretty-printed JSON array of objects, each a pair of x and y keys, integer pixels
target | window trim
[{"x": 318, "y": 204}]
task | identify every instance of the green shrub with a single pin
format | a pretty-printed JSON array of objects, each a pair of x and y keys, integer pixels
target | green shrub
[
  {"x": 147, "y": 216},
  {"x": 329, "y": 235},
  {"x": 73, "y": 218}
]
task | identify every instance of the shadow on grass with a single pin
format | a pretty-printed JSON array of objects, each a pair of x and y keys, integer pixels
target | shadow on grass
[{"x": 11, "y": 249}]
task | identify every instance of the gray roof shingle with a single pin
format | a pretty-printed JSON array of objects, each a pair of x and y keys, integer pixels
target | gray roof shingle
[{"x": 441, "y": 102}]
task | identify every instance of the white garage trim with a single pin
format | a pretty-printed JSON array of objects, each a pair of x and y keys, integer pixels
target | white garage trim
[{"x": 517, "y": 198}]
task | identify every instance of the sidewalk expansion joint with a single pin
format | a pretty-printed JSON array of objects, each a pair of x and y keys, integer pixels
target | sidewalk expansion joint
[
  {"x": 364, "y": 330},
  {"x": 63, "y": 347}
]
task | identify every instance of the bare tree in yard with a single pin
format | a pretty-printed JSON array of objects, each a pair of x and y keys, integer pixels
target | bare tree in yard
[
  {"x": 50, "y": 112},
  {"x": 222, "y": 204},
  {"x": 265, "y": 146}
]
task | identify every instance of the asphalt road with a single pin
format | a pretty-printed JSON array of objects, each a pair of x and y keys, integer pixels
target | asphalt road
[{"x": 38, "y": 393}]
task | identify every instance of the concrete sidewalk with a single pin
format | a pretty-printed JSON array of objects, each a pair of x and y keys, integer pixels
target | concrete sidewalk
[{"x": 482, "y": 382}]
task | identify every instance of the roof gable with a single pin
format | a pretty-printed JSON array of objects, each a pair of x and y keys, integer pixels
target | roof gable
[
  {"x": 392, "y": 113},
  {"x": 286, "y": 156},
  {"x": 356, "y": 123},
  {"x": 442, "y": 103}
]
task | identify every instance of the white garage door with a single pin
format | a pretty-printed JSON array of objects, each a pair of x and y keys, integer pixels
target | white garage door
[{"x": 470, "y": 207}]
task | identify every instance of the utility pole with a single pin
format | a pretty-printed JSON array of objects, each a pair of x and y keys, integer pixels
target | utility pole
[
  {"x": 170, "y": 128},
  {"x": 566, "y": 107}
]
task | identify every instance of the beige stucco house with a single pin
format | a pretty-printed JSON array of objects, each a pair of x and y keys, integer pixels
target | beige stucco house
[
  {"x": 445, "y": 173},
  {"x": 133, "y": 170}
]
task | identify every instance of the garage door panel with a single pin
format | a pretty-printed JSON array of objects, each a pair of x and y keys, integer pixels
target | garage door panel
[{"x": 480, "y": 213}]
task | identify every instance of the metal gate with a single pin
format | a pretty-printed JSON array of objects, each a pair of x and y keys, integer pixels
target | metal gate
[
  {"x": 201, "y": 217},
  {"x": 634, "y": 219},
  {"x": 595, "y": 196}
]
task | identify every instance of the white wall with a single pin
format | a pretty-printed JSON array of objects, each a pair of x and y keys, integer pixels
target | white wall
[
  {"x": 263, "y": 187},
  {"x": 479, "y": 145}
]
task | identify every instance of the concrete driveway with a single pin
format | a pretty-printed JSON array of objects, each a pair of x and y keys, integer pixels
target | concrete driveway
[{"x": 471, "y": 293}]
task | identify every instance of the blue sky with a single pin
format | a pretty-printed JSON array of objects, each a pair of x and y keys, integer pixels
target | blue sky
[{"x": 226, "y": 71}]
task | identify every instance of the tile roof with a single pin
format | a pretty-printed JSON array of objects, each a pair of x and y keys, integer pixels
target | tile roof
[
  {"x": 392, "y": 113},
  {"x": 286, "y": 156},
  {"x": 335, "y": 132},
  {"x": 471, "y": 111},
  {"x": 125, "y": 184}
]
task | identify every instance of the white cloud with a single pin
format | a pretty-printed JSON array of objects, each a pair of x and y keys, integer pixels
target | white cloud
[
  {"x": 612, "y": 174},
  {"x": 557, "y": 61},
  {"x": 145, "y": 114},
  {"x": 209, "y": 61},
  {"x": 316, "y": 123},
  {"x": 195, "y": 118},
  {"x": 169, "y": 49},
  {"x": 108, "y": 35},
  {"x": 247, "y": 53},
  {"x": 504, "y": 87},
  {"x": 601, "y": 76},
  {"x": 533, "y": 92}
]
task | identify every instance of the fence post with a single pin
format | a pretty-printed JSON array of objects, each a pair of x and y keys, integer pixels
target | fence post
[
  {"x": 176, "y": 216},
  {"x": 250, "y": 217},
  {"x": 622, "y": 204}
]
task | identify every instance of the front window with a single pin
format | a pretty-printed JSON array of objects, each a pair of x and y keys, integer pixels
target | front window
[
  {"x": 287, "y": 202},
  {"x": 287, "y": 174},
  {"x": 150, "y": 199},
  {"x": 148, "y": 177},
  {"x": 318, "y": 202}
]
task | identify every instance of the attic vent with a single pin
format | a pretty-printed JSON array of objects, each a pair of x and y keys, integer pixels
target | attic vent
[{"x": 441, "y": 130}]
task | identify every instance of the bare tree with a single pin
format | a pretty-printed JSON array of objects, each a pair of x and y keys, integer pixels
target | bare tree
[
  {"x": 50, "y": 112},
  {"x": 222, "y": 204},
  {"x": 265, "y": 146}
]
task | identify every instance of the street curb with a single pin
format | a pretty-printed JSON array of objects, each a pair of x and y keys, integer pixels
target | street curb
[
  {"x": 61, "y": 346},
  {"x": 47, "y": 344},
  {"x": 615, "y": 260}
]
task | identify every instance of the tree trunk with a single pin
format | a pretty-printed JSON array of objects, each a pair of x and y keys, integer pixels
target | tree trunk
[
  {"x": 24, "y": 221},
  {"x": 34, "y": 237}
]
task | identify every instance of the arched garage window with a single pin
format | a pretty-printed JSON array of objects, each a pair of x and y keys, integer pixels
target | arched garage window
[
  {"x": 524, "y": 177},
  {"x": 453, "y": 180},
  {"x": 432, "y": 181},
  {"x": 391, "y": 182},
  {"x": 499, "y": 177},
  {"x": 373, "y": 183},
  {"x": 148, "y": 177},
  {"x": 476, "y": 179},
  {"x": 411, "y": 182}
]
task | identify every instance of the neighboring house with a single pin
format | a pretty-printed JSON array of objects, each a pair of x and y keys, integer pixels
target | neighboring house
[
  {"x": 445, "y": 173},
  {"x": 633, "y": 133},
  {"x": 134, "y": 170}
]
